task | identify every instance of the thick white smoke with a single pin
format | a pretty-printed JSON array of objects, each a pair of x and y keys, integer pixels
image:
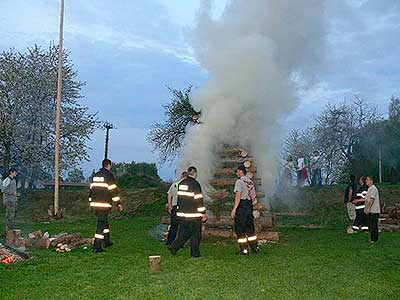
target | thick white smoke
[{"x": 254, "y": 54}]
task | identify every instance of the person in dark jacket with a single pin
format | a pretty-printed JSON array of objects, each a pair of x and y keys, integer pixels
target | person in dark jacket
[
  {"x": 190, "y": 213},
  {"x": 103, "y": 194},
  {"x": 361, "y": 221}
]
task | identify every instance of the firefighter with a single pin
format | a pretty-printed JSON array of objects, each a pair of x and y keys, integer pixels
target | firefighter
[
  {"x": 190, "y": 213},
  {"x": 103, "y": 194},
  {"x": 361, "y": 218},
  {"x": 242, "y": 212},
  {"x": 172, "y": 208}
]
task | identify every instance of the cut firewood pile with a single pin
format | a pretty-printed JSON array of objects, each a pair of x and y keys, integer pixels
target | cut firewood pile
[
  {"x": 390, "y": 219},
  {"x": 63, "y": 242},
  {"x": 9, "y": 255},
  {"x": 220, "y": 197}
]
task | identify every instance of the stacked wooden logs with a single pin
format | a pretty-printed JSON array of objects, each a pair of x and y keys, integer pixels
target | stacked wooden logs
[
  {"x": 65, "y": 242},
  {"x": 222, "y": 197},
  {"x": 225, "y": 178},
  {"x": 390, "y": 219}
]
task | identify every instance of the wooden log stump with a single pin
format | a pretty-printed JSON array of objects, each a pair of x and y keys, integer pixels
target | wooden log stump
[
  {"x": 225, "y": 222},
  {"x": 256, "y": 214},
  {"x": 265, "y": 222},
  {"x": 211, "y": 232},
  {"x": 155, "y": 263},
  {"x": 237, "y": 161},
  {"x": 35, "y": 235},
  {"x": 231, "y": 171},
  {"x": 230, "y": 182},
  {"x": 268, "y": 236},
  {"x": 41, "y": 243},
  {"x": 81, "y": 243},
  {"x": 13, "y": 237},
  {"x": 165, "y": 220},
  {"x": 247, "y": 164},
  {"x": 260, "y": 206},
  {"x": 66, "y": 238}
]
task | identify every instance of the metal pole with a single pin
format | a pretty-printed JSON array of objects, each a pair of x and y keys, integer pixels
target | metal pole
[
  {"x": 107, "y": 126},
  {"x": 58, "y": 114},
  {"x": 106, "y": 146}
]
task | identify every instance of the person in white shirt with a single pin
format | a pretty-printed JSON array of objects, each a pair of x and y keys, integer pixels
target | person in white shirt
[
  {"x": 301, "y": 170},
  {"x": 372, "y": 209},
  {"x": 172, "y": 209}
]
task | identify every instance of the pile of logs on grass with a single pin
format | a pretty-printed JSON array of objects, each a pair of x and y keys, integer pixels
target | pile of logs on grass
[
  {"x": 390, "y": 219},
  {"x": 63, "y": 242}
]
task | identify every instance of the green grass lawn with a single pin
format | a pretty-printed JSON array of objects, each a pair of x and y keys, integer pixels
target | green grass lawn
[{"x": 304, "y": 264}]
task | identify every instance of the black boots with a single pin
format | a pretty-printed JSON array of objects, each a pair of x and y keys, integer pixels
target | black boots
[
  {"x": 108, "y": 243},
  {"x": 244, "y": 250}
]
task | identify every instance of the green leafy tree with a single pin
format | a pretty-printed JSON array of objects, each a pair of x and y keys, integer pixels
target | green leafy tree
[
  {"x": 137, "y": 175},
  {"x": 76, "y": 175}
]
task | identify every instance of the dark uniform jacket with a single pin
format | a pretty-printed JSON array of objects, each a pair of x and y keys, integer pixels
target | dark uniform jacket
[
  {"x": 190, "y": 199},
  {"x": 103, "y": 191},
  {"x": 362, "y": 191}
]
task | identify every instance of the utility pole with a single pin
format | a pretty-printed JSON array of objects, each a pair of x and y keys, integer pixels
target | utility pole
[
  {"x": 58, "y": 115},
  {"x": 107, "y": 126}
]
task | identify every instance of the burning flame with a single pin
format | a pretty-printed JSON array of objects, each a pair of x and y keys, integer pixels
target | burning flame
[{"x": 7, "y": 260}]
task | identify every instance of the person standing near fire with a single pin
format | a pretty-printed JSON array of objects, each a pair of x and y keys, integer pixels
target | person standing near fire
[
  {"x": 242, "y": 212},
  {"x": 349, "y": 196},
  {"x": 172, "y": 209},
  {"x": 372, "y": 209},
  {"x": 191, "y": 213},
  {"x": 9, "y": 189},
  {"x": 103, "y": 194},
  {"x": 361, "y": 219}
]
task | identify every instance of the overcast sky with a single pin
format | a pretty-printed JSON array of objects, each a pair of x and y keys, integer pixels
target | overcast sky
[{"x": 128, "y": 51}]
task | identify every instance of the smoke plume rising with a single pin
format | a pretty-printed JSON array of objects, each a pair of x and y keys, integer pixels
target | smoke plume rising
[{"x": 255, "y": 55}]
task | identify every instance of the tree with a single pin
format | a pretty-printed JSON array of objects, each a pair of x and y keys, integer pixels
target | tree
[
  {"x": 28, "y": 92},
  {"x": 306, "y": 142},
  {"x": 346, "y": 135},
  {"x": 339, "y": 127},
  {"x": 137, "y": 175},
  {"x": 167, "y": 138},
  {"x": 394, "y": 109},
  {"x": 76, "y": 175}
]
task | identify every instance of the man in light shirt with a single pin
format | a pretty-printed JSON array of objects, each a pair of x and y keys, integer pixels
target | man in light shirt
[
  {"x": 172, "y": 208},
  {"x": 372, "y": 209}
]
